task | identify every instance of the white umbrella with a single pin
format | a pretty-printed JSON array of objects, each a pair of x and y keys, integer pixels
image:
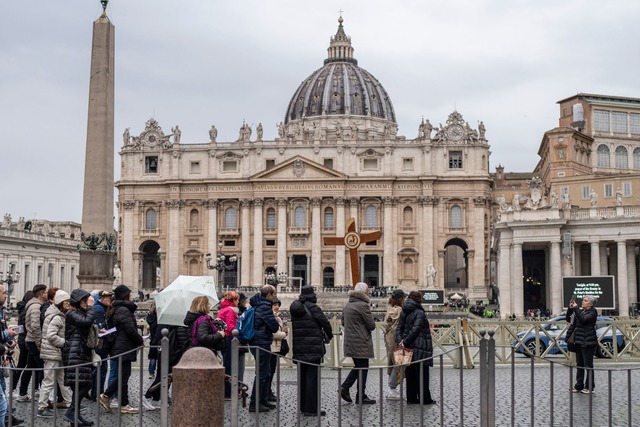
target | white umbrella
[
  {"x": 174, "y": 301},
  {"x": 455, "y": 296}
]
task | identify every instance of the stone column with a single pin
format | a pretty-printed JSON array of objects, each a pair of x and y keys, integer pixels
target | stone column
[
  {"x": 340, "y": 256},
  {"x": 440, "y": 270},
  {"x": 604, "y": 261},
  {"x": 623, "y": 284},
  {"x": 595, "y": 258},
  {"x": 504, "y": 279},
  {"x": 353, "y": 212},
  {"x": 477, "y": 280},
  {"x": 212, "y": 235},
  {"x": 316, "y": 243},
  {"x": 128, "y": 269},
  {"x": 556, "y": 279},
  {"x": 282, "y": 236},
  {"x": 516, "y": 280},
  {"x": 577, "y": 259},
  {"x": 470, "y": 267},
  {"x": 395, "y": 242},
  {"x": 388, "y": 237},
  {"x": 361, "y": 267},
  {"x": 258, "y": 267},
  {"x": 631, "y": 273},
  {"x": 173, "y": 235},
  {"x": 245, "y": 230}
]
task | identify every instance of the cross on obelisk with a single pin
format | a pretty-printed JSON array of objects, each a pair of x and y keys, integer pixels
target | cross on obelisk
[{"x": 352, "y": 241}]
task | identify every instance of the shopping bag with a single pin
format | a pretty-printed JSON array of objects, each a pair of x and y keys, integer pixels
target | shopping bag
[{"x": 402, "y": 355}]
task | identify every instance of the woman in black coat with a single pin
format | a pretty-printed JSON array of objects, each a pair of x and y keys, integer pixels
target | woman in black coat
[
  {"x": 22, "y": 358},
  {"x": 121, "y": 316},
  {"x": 308, "y": 346},
  {"x": 78, "y": 321},
  {"x": 414, "y": 332},
  {"x": 585, "y": 318},
  {"x": 206, "y": 334}
]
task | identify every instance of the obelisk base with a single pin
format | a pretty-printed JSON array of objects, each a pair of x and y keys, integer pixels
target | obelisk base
[{"x": 96, "y": 270}]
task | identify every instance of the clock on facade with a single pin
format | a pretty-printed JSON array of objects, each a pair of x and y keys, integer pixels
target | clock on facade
[
  {"x": 152, "y": 138},
  {"x": 455, "y": 132}
]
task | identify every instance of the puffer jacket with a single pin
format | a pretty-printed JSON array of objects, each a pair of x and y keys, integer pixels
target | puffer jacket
[
  {"x": 358, "y": 324},
  {"x": 32, "y": 322},
  {"x": 52, "y": 334},
  {"x": 265, "y": 322},
  {"x": 228, "y": 314},
  {"x": 207, "y": 335},
  {"x": 124, "y": 320},
  {"x": 22, "y": 314},
  {"x": 75, "y": 350},
  {"x": 306, "y": 336},
  {"x": 414, "y": 331},
  {"x": 585, "y": 326}
]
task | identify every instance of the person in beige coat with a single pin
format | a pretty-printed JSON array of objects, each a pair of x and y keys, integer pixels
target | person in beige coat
[
  {"x": 389, "y": 327},
  {"x": 276, "y": 346},
  {"x": 51, "y": 353},
  {"x": 358, "y": 324}
]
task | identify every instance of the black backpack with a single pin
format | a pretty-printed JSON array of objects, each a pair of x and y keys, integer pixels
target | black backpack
[{"x": 177, "y": 344}]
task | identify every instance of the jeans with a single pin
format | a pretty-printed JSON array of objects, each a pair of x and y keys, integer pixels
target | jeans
[
  {"x": 3, "y": 407},
  {"x": 152, "y": 366},
  {"x": 355, "y": 373},
  {"x": 113, "y": 373},
  {"x": 104, "y": 367},
  {"x": 264, "y": 370},
  {"x": 112, "y": 390}
]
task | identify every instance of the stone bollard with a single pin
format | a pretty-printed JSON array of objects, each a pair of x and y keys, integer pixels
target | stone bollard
[{"x": 198, "y": 390}]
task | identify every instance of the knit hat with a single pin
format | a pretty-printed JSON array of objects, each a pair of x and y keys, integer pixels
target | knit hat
[
  {"x": 122, "y": 292},
  {"x": 60, "y": 296},
  {"x": 242, "y": 297},
  {"x": 307, "y": 290}
]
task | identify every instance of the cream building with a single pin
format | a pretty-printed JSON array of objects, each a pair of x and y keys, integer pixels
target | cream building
[
  {"x": 41, "y": 251},
  {"x": 338, "y": 155}
]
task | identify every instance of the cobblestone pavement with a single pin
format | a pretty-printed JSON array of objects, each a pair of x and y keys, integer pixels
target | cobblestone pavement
[{"x": 447, "y": 411}]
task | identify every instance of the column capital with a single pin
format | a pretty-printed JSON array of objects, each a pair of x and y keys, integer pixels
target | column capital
[
  {"x": 480, "y": 201},
  {"x": 315, "y": 201},
  {"x": 282, "y": 201},
  {"x": 128, "y": 204},
  {"x": 245, "y": 203},
  {"x": 174, "y": 203},
  {"x": 353, "y": 201},
  {"x": 210, "y": 204},
  {"x": 339, "y": 200},
  {"x": 258, "y": 201}
]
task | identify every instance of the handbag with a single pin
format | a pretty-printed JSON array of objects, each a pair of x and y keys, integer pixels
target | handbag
[
  {"x": 325, "y": 337},
  {"x": 92, "y": 337},
  {"x": 402, "y": 355},
  {"x": 284, "y": 348}
]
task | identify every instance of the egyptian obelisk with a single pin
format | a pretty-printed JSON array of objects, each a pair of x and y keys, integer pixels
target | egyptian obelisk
[{"x": 98, "y": 246}]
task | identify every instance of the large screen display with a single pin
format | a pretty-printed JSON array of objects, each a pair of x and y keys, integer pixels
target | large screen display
[
  {"x": 601, "y": 287},
  {"x": 432, "y": 296}
]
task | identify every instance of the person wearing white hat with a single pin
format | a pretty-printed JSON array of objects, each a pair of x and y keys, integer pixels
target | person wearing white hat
[{"x": 51, "y": 353}]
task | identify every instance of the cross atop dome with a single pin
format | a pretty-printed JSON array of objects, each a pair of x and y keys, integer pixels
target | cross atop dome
[{"x": 340, "y": 49}]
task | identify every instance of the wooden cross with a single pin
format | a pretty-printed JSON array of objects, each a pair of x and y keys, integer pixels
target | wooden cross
[{"x": 352, "y": 241}]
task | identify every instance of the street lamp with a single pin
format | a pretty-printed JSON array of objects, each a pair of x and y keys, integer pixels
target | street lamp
[
  {"x": 10, "y": 281},
  {"x": 274, "y": 278},
  {"x": 223, "y": 262}
]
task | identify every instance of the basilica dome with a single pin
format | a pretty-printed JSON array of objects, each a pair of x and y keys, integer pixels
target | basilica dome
[{"x": 340, "y": 87}]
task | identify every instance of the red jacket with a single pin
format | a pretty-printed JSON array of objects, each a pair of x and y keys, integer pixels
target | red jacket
[{"x": 229, "y": 314}]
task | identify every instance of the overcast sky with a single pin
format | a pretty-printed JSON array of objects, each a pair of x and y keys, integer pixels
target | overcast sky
[{"x": 195, "y": 63}]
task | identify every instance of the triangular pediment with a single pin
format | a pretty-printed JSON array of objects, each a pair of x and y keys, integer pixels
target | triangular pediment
[{"x": 296, "y": 168}]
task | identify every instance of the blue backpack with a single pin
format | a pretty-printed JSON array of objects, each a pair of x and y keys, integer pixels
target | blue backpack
[{"x": 245, "y": 325}]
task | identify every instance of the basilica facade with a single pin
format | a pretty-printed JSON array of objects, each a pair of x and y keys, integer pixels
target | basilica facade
[{"x": 338, "y": 155}]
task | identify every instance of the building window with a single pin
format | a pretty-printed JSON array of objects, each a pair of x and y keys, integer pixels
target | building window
[
  {"x": 407, "y": 216},
  {"x": 195, "y": 167},
  {"x": 194, "y": 220},
  {"x": 299, "y": 217},
  {"x": 371, "y": 216},
  {"x": 328, "y": 277},
  {"x": 634, "y": 123},
  {"x": 636, "y": 158},
  {"x": 626, "y": 189},
  {"x": 271, "y": 219},
  {"x": 586, "y": 192},
  {"x": 601, "y": 121},
  {"x": 603, "y": 156},
  {"x": 328, "y": 218},
  {"x": 230, "y": 217},
  {"x": 270, "y": 163},
  {"x": 62, "y": 278},
  {"x": 270, "y": 242},
  {"x": 407, "y": 269},
  {"x": 370, "y": 164},
  {"x": 619, "y": 122},
  {"x": 456, "y": 217},
  {"x": 229, "y": 166},
  {"x": 328, "y": 163},
  {"x": 608, "y": 191},
  {"x": 151, "y": 164},
  {"x": 39, "y": 273},
  {"x": 622, "y": 160},
  {"x": 455, "y": 159},
  {"x": 150, "y": 219},
  {"x": 407, "y": 164}
]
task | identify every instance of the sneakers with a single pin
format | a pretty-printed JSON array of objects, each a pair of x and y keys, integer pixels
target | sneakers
[
  {"x": 45, "y": 413},
  {"x": 114, "y": 404},
  {"x": 393, "y": 394},
  {"x": 587, "y": 391},
  {"x": 128, "y": 409},
  {"x": 105, "y": 402},
  {"x": 23, "y": 398},
  {"x": 151, "y": 376},
  {"x": 146, "y": 404}
]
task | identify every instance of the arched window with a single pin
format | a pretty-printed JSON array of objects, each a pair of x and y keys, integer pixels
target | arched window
[
  {"x": 603, "y": 156},
  {"x": 328, "y": 218},
  {"x": 407, "y": 267},
  {"x": 636, "y": 158},
  {"x": 193, "y": 268},
  {"x": 328, "y": 277},
  {"x": 150, "y": 219},
  {"x": 299, "y": 217},
  {"x": 230, "y": 218},
  {"x": 271, "y": 219},
  {"x": 622, "y": 157},
  {"x": 371, "y": 216},
  {"x": 194, "y": 219},
  {"x": 407, "y": 216},
  {"x": 456, "y": 217}
]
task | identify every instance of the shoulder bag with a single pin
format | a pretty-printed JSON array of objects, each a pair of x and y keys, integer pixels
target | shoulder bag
[{"x": 325, "y": 337}]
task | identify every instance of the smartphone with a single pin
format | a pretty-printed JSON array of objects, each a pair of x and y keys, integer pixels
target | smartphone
[{"x": 573, "y": 299}]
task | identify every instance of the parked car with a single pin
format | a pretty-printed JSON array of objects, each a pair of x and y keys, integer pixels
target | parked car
[{"x": 557, "y": 329}]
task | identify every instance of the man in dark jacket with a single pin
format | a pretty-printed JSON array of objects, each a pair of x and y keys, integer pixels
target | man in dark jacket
[
  {"x": 122, "y": 317},
  {"x": 265, "y": 324},
  {"x": 358, "y": 344},
  {"x": 585, "y": 318},
  {"x": 100, "y": 308},
  {"x": 308, "y": 346}
]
